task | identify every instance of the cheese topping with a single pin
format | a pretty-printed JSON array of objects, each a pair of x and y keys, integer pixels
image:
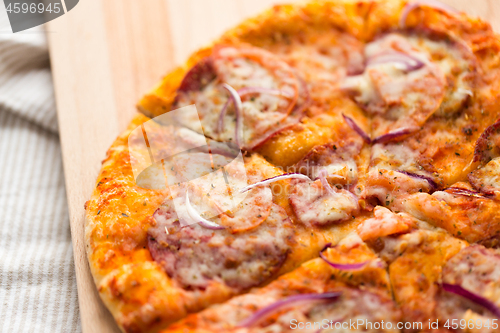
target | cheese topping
[
  {"x": 315, "y": 205},
  {"x": 384, "y": 223}
]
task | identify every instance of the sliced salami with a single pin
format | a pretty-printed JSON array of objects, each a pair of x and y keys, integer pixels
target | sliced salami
[
  {"x": 272, "y": 95},
  {"x": 471, "y": 282},
  {"x": 409, "y": 78},
  {"x": 397, "y": 92},
  {"x": 476, "y": 269},
  {"x": 353, "y": 304},
  {"x": 486, "y": 178},
  {"x": 394, "y": 172},
  {"x": 195, "y": 256}
]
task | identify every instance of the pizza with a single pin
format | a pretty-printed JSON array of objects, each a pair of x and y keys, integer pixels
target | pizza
[{"x": 324, "y": 166}]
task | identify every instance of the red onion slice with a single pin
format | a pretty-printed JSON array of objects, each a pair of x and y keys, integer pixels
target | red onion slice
[
  {"x": 193, "y": 214},
  {"x": 428, "y": 3},
  {"x": 342, "y": 267},
  {"x": 238, "y": 109},
  {"x": 267, "y": 311},
  {"x": 464, "y": 192},
  {"x": 275, "y": 179},
  {"x": 357, "y": 129},
  {"x": 259, "y": 90},
  {"x": 322, "y": 177},
  {"x": 220, "y": 123},
  {"x": 431, "y": 182},
  {"x": 409, "y": 62},
  {"x": 394, "y": 135},
  {"x": 484, "y": 302}
]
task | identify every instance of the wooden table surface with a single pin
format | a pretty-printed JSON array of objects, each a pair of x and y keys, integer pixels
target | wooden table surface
[{"x": 105, "y": 55}]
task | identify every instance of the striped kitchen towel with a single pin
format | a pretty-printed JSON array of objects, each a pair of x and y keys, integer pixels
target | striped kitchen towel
[{"x": 37, "y": 275}]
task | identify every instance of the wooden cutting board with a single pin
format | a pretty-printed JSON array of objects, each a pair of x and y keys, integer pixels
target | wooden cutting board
[{"x": 105, "y": 54}]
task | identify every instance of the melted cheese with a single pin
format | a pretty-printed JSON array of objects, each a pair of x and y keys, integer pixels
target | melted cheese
[
  {"x": 314, "y": 205},
  {"x": 384, "y": 223}
]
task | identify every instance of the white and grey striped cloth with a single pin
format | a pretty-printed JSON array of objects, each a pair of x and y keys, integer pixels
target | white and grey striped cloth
[{"x": 37, "y": 275}]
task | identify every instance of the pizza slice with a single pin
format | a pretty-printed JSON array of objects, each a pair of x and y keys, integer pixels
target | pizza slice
[{"x": 347, "y": 286}]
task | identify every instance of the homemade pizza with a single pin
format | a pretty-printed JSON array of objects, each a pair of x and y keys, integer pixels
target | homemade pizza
[{"x": 324, "y": 166}]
